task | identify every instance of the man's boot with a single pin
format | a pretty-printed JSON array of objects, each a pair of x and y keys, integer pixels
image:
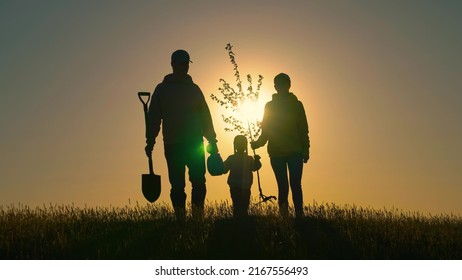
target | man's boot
[
  {"x": 198, "y": 211},
  {"x": 179, "y": 204},
  {"x": 180, "y": 214},
  {"x": 197, "y": 200},
  {"x": 299, "y": 212}
]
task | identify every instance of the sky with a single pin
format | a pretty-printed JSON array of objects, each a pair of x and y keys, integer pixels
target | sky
[{"x": 380, "y": 82}]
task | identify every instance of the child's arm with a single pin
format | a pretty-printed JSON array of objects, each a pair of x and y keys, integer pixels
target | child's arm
[
  {"x": 226, "y": 165},
  {"x": 256, "y": 163}
]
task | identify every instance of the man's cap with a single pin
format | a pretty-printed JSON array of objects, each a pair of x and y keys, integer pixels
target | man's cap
[{"x": 180, "y": 56}]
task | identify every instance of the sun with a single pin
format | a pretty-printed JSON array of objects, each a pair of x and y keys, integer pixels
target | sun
[
  {"x": 251, "y": 111},
  {"x": 245, "y": 118}
]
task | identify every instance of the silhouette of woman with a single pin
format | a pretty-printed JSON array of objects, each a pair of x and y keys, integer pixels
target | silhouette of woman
[{"x": 285, "y": 128}]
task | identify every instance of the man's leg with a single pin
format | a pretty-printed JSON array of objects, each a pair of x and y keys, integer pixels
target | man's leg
[
  {"x": 196, "y": 166},
  {"x": 176, "y": 176},
  {"x": 295, "y": 174},
  {"x": 279, "y": 165}
]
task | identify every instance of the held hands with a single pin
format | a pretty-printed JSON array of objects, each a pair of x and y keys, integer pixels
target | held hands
[
  {"x": 254, "y": 145},
  {"x": 212, "y": 148}
]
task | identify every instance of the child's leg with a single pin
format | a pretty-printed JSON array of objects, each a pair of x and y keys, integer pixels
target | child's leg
[
  {"x": 240, "y": 205},
  {"x": 235, "y": 198},
  {"x": 245, "y": 201}
]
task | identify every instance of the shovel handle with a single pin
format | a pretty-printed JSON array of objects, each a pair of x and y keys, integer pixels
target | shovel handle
[
  {"x": 151, "y": 169},
  {"x": 142, "y": 94}
]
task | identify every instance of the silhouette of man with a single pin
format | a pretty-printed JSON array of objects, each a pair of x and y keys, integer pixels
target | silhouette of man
[
  {"x": 179, "y": 104},
  {"x": 285, "y": 128}
]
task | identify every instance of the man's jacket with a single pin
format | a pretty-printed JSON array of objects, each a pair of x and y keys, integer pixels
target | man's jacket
[{"x": 180, "y": 106}]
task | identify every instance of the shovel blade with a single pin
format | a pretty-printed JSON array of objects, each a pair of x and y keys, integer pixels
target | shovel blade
[{"x": 150, "y": 186}]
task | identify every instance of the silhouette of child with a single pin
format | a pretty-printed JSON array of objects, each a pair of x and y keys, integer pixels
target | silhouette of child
[{"x": 240, "y": 166}]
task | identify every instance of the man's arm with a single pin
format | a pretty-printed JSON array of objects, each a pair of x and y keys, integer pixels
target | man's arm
[
  {"x": 154, "y": 121},
  {"x": 207, "y": 124}
]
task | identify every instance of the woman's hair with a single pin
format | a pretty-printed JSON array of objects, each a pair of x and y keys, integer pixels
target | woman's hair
[{"x": 282, "y": 78}]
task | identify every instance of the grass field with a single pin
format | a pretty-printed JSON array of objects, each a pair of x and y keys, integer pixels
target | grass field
[{"x": 150, "y": 232}]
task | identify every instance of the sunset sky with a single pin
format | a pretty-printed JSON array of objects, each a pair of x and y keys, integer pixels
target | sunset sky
[{"x": 380, "y": 81}]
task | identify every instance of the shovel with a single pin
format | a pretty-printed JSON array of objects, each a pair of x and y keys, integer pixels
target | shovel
[{"x": 150, "y": 183}]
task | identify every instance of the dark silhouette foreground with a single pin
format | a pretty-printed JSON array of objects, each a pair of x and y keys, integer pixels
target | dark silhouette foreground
[{"x": 326, "y": 232}]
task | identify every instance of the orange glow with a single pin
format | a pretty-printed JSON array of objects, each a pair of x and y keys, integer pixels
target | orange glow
[
  {"x": 251, "y": 111},
  {"x": 381, "y": 96}
]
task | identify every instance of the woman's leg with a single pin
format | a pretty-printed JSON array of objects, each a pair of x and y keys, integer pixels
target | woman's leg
[
  {"x": 295, "y": 164},
  {"x": 279, "y": 165}
]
